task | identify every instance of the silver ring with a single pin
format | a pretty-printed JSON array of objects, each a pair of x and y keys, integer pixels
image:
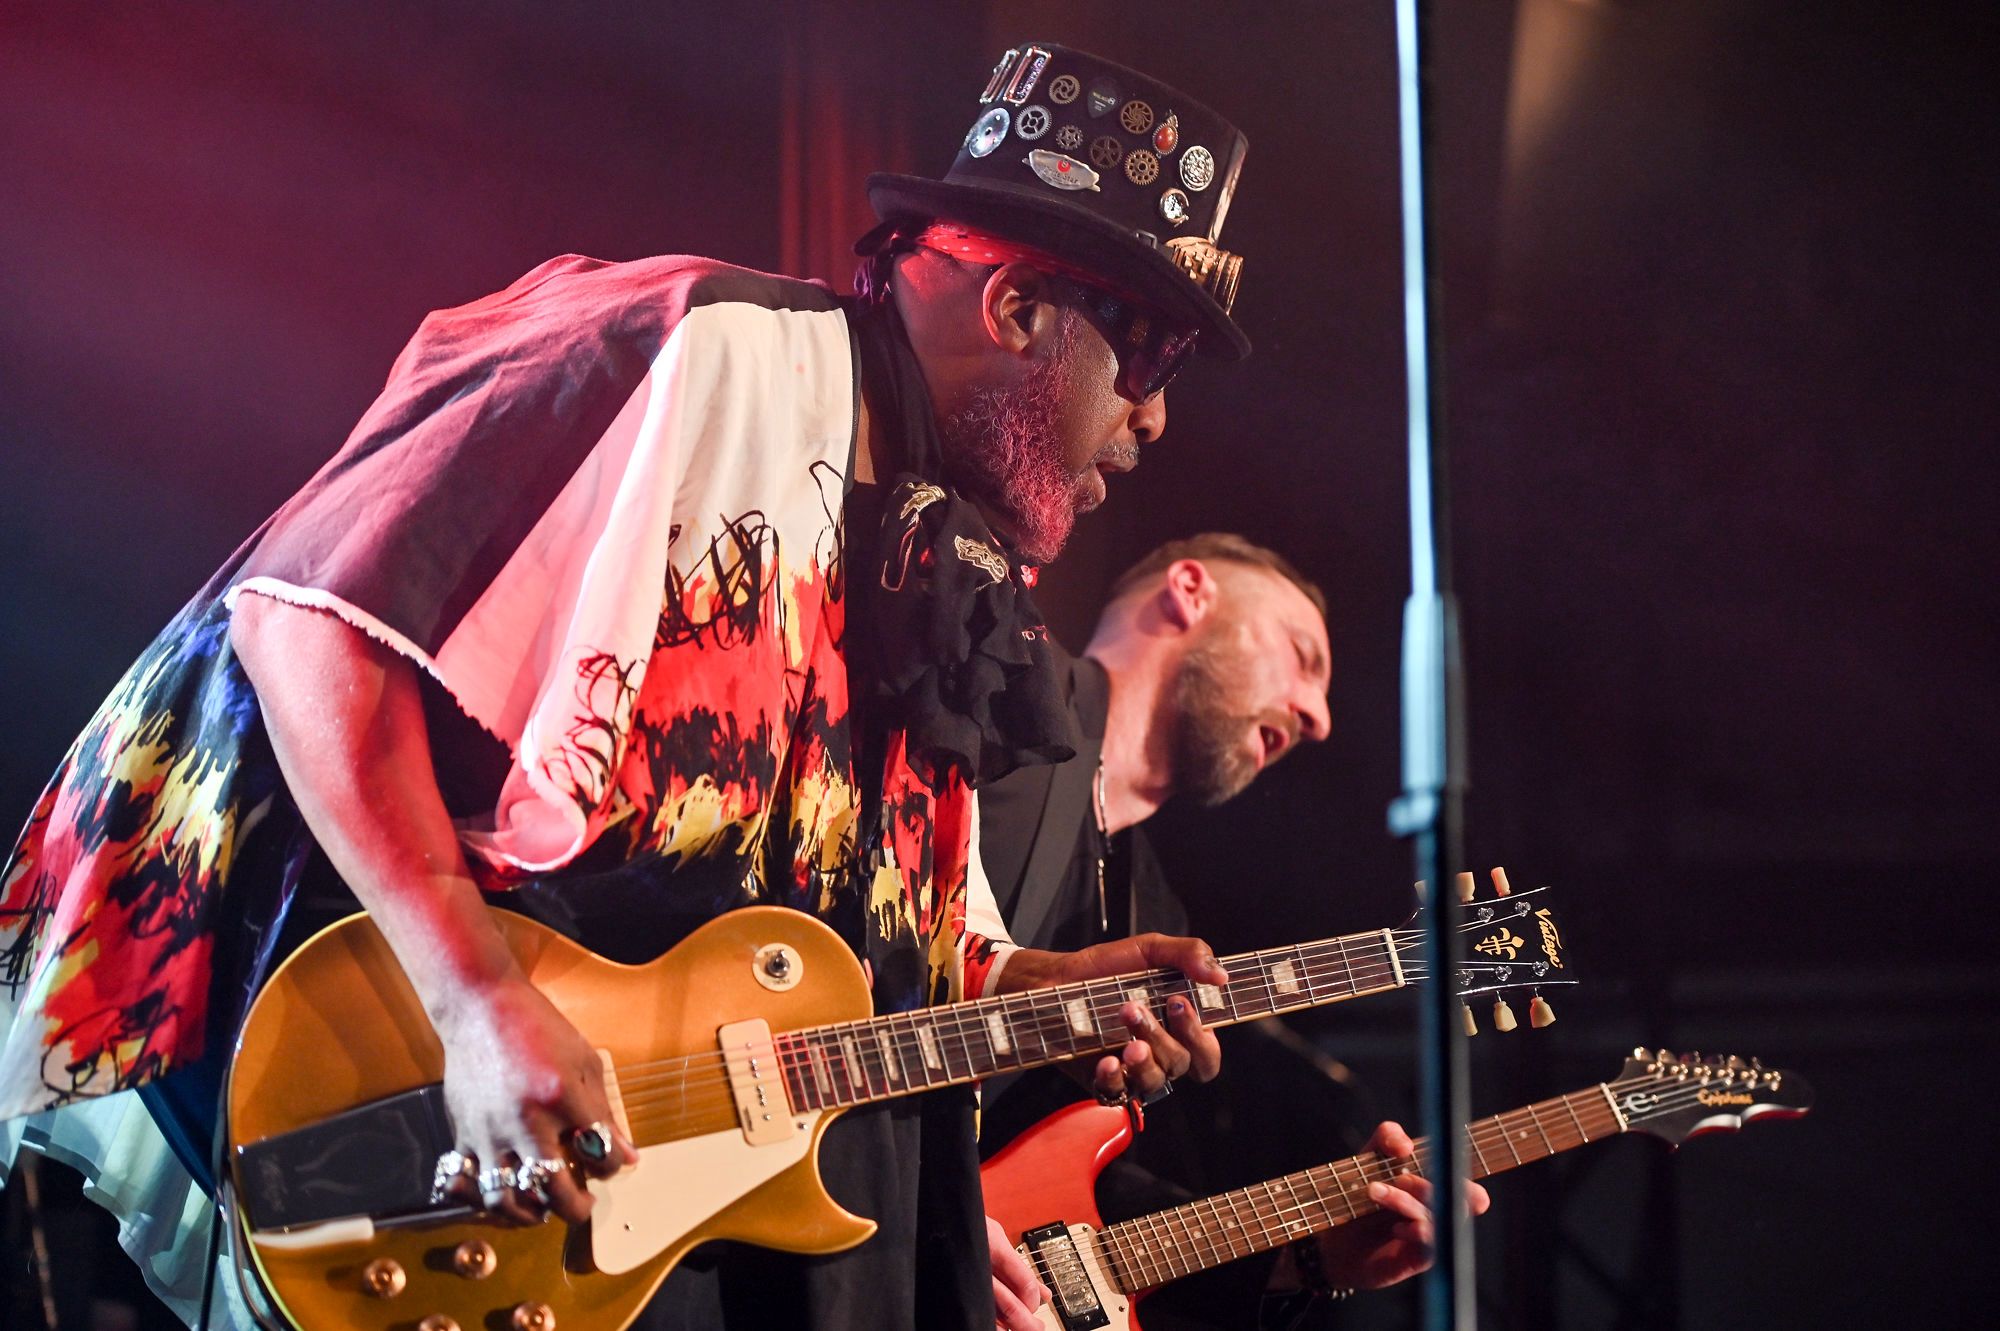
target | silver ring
[
  {"x": 533, "y": 1178},
  {"x": 530, "y": 1176},
  {"x": 454, "y": 1166},
  {"x": 495, "y": 1183}
]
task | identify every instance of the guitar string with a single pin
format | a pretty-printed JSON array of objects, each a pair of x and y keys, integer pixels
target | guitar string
[
  {"x": 1140, "y": 1247},
  {"x": 1104, "y": 996},
  {"x": 1145, "y": 1246},
  {"x": 1318, "y": 949},
  {"x": 949, "y": 1021},
  {"x": 1136, "y": 1242},
  {"x": 961, "y": 1020},
  {"x": 1401, "y": 938},
  {"x": 1141, "y": 1251},
  {"x": 650, "y": 1109},
  {"x": 794, "y": 1049}
]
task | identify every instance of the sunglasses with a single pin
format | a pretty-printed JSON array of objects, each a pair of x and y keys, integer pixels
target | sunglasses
[{"x": 1150, "y": 351}]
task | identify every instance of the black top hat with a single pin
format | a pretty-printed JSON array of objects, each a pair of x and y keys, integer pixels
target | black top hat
[{"x": 1103, "y": 167}]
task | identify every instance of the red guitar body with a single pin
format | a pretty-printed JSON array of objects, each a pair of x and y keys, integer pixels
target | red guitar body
[{"x": 1049, "y": 1173}]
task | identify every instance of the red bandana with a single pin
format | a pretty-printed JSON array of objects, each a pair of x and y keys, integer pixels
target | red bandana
[{"x": 973, "y": 246}]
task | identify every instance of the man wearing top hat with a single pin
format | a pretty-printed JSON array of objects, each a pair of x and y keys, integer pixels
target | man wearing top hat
[{"x": 645, "y": 591}]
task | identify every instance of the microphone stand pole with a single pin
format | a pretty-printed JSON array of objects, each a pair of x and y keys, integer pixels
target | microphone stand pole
[{"x": 1431, "y": 807}]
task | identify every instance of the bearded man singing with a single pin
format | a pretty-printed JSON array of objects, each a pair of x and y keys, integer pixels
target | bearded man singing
[
  {"x": 1208, "y": 664},
  {"x": 646, "y": 591}
]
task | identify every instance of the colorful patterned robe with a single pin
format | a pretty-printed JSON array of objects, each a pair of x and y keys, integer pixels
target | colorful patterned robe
[{"x": 601, "y": 508}]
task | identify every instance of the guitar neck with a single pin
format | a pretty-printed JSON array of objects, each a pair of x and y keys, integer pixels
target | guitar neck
[
  {"x": 1152, "y": 1249},
  {"x": 850, "y": 1063}
]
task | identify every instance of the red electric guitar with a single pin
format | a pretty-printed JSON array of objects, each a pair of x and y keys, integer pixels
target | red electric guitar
[{"x": 1040, "y": 1188}]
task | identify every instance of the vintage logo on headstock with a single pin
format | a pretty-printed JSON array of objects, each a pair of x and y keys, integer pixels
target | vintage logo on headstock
[
  {"x": 1725, "y": 1097},
  {"x": 1506, "y": 944},
  {"x": 1551, "y": 940}
]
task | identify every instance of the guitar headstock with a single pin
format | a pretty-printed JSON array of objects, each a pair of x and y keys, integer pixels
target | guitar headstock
[
  {"x": 1681, "y": 1097},
  {"x": 1512, "y": 941}
]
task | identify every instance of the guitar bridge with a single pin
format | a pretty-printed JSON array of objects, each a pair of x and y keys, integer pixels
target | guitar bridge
[
  {"x": 756, "y": 1081},
  {"x": 1072, "y": 1293}
]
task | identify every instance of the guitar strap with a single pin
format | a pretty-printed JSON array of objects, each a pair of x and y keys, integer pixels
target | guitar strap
[{"x": 1066, "y": 806}]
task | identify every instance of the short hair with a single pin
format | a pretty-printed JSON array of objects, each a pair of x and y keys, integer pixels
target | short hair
[{"x": 1226, "y": 547}]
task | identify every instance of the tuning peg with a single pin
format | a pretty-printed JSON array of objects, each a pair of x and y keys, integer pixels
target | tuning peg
[
  {"x": 1471, "y": 1024},
  {"x": 1666, "y": 1055},
  {"x": 1503, "y": 1016},
  {"x": 1466, "y": 887},
  {"x": 1500, "y": 885},
  {"x": 1643, "y": 1054},
  {"x": 1693, "y": 1057},
  {"x": 1540, "y": 1014},
  {"x": 1421, "y": 888}
]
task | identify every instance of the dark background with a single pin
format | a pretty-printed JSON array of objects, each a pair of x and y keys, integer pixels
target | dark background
[{"x": 1720, "y": 373}]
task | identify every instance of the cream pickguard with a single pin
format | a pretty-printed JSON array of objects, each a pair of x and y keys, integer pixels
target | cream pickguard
[{"x": 643, "y": 1211}]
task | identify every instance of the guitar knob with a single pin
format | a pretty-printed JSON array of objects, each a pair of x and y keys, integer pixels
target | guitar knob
[
  {"x": 437, "y": 1322},
  {"x": 1471, "y": 1025},
  {"x": 1503, "y": 1016},
  {"x": 1540, "y": 1014},
  {"x": 384, "y": 1278},
  {"x": 533, "y": 1317},
  {"x": 474, "y": 1259}
]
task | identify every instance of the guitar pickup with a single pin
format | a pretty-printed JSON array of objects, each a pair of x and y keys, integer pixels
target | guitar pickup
[
  {"x": 756, "y": 1082},
  {"x": 1072, "y": 1293}
]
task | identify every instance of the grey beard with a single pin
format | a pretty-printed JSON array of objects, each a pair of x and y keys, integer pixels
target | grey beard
[{"x": 1002, "y": 449}]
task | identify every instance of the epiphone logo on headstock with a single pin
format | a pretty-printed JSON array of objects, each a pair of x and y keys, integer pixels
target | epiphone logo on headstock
[
  {"x": 1551, "y": 940},
  {"x": 1724, "y": 1097}
]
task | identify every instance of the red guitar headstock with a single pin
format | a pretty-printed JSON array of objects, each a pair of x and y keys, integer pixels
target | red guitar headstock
[{"x": 1677, "y": 1098}]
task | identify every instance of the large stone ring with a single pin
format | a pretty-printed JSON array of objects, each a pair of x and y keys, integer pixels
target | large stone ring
[
  {"x": 453, "y": 1167},
  {"x": 592, "y": 1144}
]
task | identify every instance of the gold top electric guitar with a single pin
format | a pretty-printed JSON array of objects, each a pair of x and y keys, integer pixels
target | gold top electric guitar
[
  {"x": 726, "y": 1059},
  {"x": 1040, "y": 1187}
]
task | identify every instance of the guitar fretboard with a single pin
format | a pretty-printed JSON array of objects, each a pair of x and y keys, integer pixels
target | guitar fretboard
[
  {"x": 850, "y": 1063},
  {"x": 1152, "y": 1249}
]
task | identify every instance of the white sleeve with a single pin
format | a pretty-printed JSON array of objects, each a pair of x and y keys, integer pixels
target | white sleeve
[{"x": 982, "y": 909}]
